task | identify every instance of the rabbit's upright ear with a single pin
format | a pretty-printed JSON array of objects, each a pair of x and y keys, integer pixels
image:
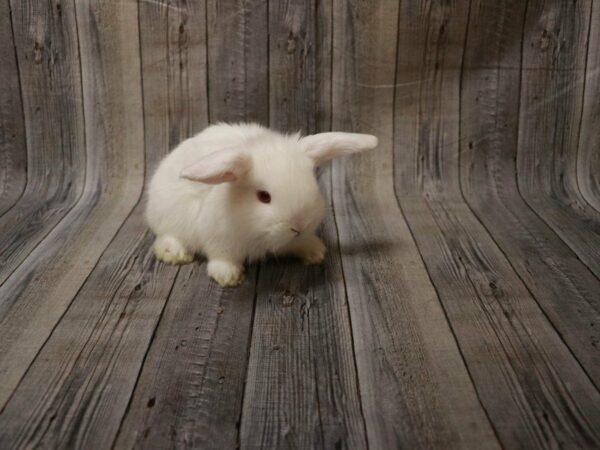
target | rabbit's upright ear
[
  {"x": 325, "y": 146},
  {"x": 219, "y": 167}
]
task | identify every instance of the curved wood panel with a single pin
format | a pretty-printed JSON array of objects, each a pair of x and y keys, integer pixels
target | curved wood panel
[
  {"x": 410, "y": 369},
  {"x": 63, "y": 261},
  {"x": 554, "y": 56},
  {"x": 498, "y": 325},
  {"x": 489, "y": 128},
  {"x": 588, "y": 157},
  {"x": 13, "y": 149},
  {"x": 46, "y": 42}
]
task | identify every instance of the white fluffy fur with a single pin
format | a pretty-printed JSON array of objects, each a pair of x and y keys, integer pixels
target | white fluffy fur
[{"x": 202, "y": 198}]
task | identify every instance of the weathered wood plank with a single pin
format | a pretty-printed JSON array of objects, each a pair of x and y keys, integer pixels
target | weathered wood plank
[
  {"x": 189, "y": 393},
  {"x": 197, "y": 337},
  {"x": 37, "y": 294},
  {"x": 192, "y": 395},
  {"x": 588, "y": 156},
  {"x": 300, "y": 65},
  {"x": 45, "y": 36},
  {"x": 76, "y": 391},
  {"x": 238, "y": 65},
  {"x": 415, "y": 390},
  {"x": 511, "y": 350},
  {"x": 302, "y": 387},
  {"x": 489, "y": 121},
  {"x": 13, "y": 149},
  {"x": 554, "y": 51}
]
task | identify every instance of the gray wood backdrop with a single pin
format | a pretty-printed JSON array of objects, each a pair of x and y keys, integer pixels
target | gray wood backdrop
[{"x": 459, "y": 303}]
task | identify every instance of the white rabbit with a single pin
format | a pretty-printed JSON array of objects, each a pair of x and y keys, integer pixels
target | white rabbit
[{"x": 238, "y": 192}]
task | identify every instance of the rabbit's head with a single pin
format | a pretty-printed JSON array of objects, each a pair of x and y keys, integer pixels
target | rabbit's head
[{"x": 271, "y": 185}]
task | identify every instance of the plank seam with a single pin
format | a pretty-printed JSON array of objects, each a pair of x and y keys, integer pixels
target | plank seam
[
  {"x": 460, "y": 113},
  {"x": 258, "y": 265},
  {"x": 238, "y": 438},
  {"x": 337, "y": 236}
]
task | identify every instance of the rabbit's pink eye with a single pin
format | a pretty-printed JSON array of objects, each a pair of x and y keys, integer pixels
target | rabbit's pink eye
[{"x": 263, "y": 196}]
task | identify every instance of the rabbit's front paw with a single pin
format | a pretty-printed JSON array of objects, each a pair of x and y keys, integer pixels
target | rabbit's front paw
[
  {"x": 171, "y": 251},
  {"x": 312, "y": 251},
  {"x": 225, "y": 273}
]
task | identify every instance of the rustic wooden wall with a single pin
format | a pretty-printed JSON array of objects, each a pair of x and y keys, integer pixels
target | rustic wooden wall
[{"x": 459, "y": 302}]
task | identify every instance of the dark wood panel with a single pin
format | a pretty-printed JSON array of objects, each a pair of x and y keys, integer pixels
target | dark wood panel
[
  {"x": 412, "y": 377},
  {"x": 302, "y": 388},
  {"x": 37, "y": 294},
  {"x": 555, "y": 48},
  {"x": 13, "y": 149},
  {"x": 238, "y": 60},
  {"x": 189, "y": 393},
  {"x": 300, "y": 65},
  {"x": 503, "y": 335},
  {"x": 563, "y": 287},
  {"x": 588, "y": 156},
  {"x": 46, "y": 42}
]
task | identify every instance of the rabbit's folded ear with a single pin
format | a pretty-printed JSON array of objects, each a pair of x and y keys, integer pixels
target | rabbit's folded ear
[
  {"x": 325, "y": 146},
  {"x": 219, "y": 167}
]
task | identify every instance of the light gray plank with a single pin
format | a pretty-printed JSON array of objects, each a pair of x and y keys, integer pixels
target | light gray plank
[
  {"x": 588, "y": 156},
  {"x": 13, "y": 149},
  {"x": 489, "y": 121},
  {"x": 511, "y": 350},
  {"x": 415, "y": 389},
  {"x": 554, "y": 51},
  {"x": 302, "y": 387},
  {"x": 37, "y": 294}
]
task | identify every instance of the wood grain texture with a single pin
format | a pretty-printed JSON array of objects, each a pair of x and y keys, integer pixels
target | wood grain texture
[
  {"x": 302, "y": 388},
  {"x": 189, "y": 393},
  {"x": 458, "y": 304},
  {"x": 588, "y": 156},
  {"x": 192, "y": 396},
  {"x": 550, "y": 120},
  {"x": 49, "y": 65},
  {"x": 238, "y": 60},
  {"x": 13, "y": 149},
  {"x": 489, "y": 121},
  {"x": 190, "y": 389},
  {"x": 300, "y": 65},
  {"x": 113, "y": 186},
  {"x": 503, "y": 335},
  {"x": 412, "y": 378},
  {"x": 76, "y": 391}
]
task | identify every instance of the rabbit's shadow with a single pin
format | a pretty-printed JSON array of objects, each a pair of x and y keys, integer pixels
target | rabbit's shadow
[{"x": 284, "y": 276}]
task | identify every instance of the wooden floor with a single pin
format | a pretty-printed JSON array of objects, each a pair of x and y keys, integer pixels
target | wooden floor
[{"x": 459, "y": 305}]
